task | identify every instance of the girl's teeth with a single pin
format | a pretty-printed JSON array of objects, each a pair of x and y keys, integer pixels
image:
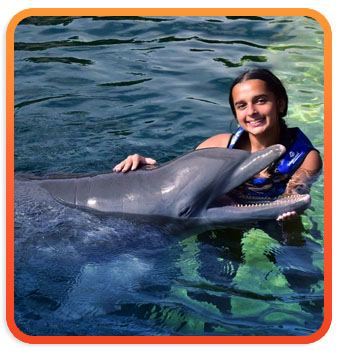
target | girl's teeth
[{"x": 255, "y": 122}]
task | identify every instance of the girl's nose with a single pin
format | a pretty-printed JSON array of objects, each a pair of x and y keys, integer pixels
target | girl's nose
[{"x": 251, "y": 109}]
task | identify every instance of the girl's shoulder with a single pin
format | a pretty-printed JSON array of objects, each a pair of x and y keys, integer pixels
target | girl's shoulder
[{"x": 217, "y": 141}]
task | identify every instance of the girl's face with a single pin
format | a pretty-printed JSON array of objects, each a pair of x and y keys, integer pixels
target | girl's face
[{"x": 256, "y": 106}]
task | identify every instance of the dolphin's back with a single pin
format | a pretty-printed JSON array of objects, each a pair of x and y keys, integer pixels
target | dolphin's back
[{"x": 104, "y": 192}]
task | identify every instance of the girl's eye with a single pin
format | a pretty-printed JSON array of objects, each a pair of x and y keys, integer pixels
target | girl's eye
[{"x": 241, "y": 106}]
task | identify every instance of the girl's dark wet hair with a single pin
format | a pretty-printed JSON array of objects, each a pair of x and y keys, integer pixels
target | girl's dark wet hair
[{"x": 273, "y": 83}]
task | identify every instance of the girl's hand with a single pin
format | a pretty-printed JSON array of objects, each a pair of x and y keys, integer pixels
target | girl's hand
[{"x": 132, "y": 162}]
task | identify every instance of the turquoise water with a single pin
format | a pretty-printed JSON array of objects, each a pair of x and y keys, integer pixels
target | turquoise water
[{"x": 88, "y": 92}]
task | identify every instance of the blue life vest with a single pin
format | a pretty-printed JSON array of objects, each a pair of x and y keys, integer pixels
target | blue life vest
[{"x": 297, "y": 148}]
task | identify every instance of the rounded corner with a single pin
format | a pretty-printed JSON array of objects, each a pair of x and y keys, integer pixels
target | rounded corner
[
  {"x": 321, "y": 332},
  {"x": 16, "y": 19},
  {"x": 321, "y": 19},
  {"x": 17, "y": 333}
]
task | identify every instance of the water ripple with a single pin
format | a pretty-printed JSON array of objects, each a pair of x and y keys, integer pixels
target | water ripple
[
  {"x": 66, "y": 20},
  {"x": 31, "y": 46},
  {"x": 66, "y": 60},
  {"x": 245, "y": 58},
  {"x": 251, "y": 18},
  {"x": 126, "y": 83},
  {"x": 22, "y": 46},
  {"x": 25, "y": 103}
]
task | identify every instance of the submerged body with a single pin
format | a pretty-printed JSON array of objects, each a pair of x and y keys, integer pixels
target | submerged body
[{"x": 191, "y": 191}]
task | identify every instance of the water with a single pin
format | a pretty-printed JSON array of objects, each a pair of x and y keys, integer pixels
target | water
[{"x": 88, "y": 92}]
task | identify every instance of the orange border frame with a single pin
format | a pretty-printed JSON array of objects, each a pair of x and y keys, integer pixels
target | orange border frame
[{"x": 10, "y": 179}]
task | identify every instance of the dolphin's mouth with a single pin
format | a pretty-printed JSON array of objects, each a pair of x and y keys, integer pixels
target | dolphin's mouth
[
  {"x": 259, "y": 202},
  {"x": 254, "y": 209}
]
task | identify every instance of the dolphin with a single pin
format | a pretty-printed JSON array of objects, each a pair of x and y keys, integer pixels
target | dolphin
[{"x": 188, "y": 192}]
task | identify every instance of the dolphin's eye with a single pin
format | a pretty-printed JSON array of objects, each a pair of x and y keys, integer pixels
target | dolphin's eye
[{"x": 185, "y": 212}]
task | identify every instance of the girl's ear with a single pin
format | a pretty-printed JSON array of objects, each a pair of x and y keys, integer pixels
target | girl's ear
[{"x": 281, "y": 106}]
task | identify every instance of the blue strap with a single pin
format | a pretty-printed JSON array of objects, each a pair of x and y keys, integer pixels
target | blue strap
[
  {"x": 235, "y": 137},
  {"x": 295, "y": 155}
]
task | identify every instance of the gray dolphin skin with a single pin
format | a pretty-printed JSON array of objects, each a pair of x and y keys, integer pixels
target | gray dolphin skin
[{"x": 190, "y": 191}]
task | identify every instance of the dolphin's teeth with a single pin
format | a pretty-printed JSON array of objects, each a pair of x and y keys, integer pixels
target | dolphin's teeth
[{"x": 266, "y": 202}]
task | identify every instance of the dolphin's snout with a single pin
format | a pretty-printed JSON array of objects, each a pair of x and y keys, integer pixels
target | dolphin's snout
[
  {"x": 307, "y": 199},
  {"x": 263, "y": 158},
  {"x": 280, "y": 148}
]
